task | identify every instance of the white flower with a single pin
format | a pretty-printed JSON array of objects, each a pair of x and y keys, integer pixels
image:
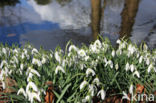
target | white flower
[
  {"x": 15, "y": 59},
  {"x": 86, "y": 58},
  {"x": 34, "y": 95},
  {"x": 119, "y": 52},
  {"x": 22, "y": 56},
  {"x": 102, "y": 93},
  {"x": 93, "y": 48},
  {"x": 147, "y": 61},
  {"x": 87, "y": 98},
  {"x": 137, "y": 74},
  {"x": 29, "y": 77},
  {"x": 97, "y": 43},
  {"x": 131, "y": 49},
  {"x": 82, "y": 53},
  {"x": 89, "y": 70},
  {"x": 3, "y": 63},
  {"x": 4, "y": 51},
  {"x": 73, "y": 47},
  {"x": 127, "y": 66},
  {"x": 125, "y": 96},
  {"x": 116, "y": 66},
  {"x": 92, "y": 89},
  {"x": 34, "y": 51},
  {"x": 59, "y": 68},
  {"x": 145, "y": 47},
  {"x": 15, "y": 51},
  {"x": 43, "y": 60},
  {"x": 3, "y": 85},
  {"x": 131, "y": 89},
  {"x": 57, "y": 57},
  {"x": 36, "y": 61},
  {"x": 21, "y": 66},
  {"x": 140, "y": 59},
  {"x": 81, "y": 66},
  {"x": 22, "y": 91},
  {"x": 113, "y": 53},
  {"x": 31, "y": 85},
  {"x": 132, "y": 67},
  {"x": 35, "y": 72},
  {"x": 110, "y": 63},
  {"x": 97, "y": 81},
  {"x": 83, "y": 84},
  {"x": 118, "y": 41},
  {"x": 149, "y": 68}
]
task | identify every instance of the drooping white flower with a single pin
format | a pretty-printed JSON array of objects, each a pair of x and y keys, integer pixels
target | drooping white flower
[
  {"x": 131, "y": 89},
  {"x": 15, "y": 51},
  {"x": 22, "y": 91},
  {"x": 97, "y": 43},
  {"x": 81, "y": 53},
  {"x": 132, "y": 67},
  {"x": 21, "y": 66},
  {"x": 110, "y": 63},
  {"x": 3, "y": 63},
  {"x": 59, "y": 68},
  {"x": 125, "y": 96},
  {"x": 86, "y": 99},
  {"x": 86, "y": 58},
  {"x": 30, "y": 75},
  {"x": 57, "y": 57},
  {"x": 92, "y": 89},
  {"x": 15, "y": 59},
  {"x": 136, "y": 73},
  {"x": 147, "y": 61},
  {"x": 127, "y": 66},
  {"x": 113, "y": 53},
  {"x": 4, "y": 51},
  {"x": 83, "y": 84},
  {"x": 22, "y": 56},
  {"x": 35, "y": 72},
  {"x": 118, "y": 41},
  {"x": 44, "y": 60},
  {"x": 3, "y": 85},
  {"x": 33, "y": 95},
  {"x": 93, "y": 48},
  {"x": 116, "y": 66},
  {"x": 131, "y": 49},
  {"x": 97, "y": 81},
  {"x": 73, "y": 47},
  {"x": 150, "y": 67},
  {"x": 102, "y": 93},
  {"x": 37, "y": 62},
  {"x": 140, "y": 59},
  {"x": 34, "y": 51},
  {"x": 31, "y": 85},
  {"x": 90, "y": 71}
]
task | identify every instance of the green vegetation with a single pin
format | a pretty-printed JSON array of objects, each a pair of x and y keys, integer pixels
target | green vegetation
[{"x": 79, "y": 74}]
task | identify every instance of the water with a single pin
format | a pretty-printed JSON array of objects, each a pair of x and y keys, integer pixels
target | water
[{"x": 53, "y": 22}]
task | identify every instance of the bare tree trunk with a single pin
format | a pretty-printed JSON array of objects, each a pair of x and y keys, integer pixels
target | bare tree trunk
[
  {"x": 95, "y": 17},
  {"x": 128, "y": 17}
]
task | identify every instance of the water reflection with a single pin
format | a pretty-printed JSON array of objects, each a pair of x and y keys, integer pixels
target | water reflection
[
  {"x": 43, "y": 2},
  {"x": 128, "y": 17},
  {"x": 8, "y": 3},
  {"x": 53, "y": 22},
  {"x": 95, "y": 17}
]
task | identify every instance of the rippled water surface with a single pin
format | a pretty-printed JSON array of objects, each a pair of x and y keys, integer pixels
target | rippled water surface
[{"x": 53, "y": 22}]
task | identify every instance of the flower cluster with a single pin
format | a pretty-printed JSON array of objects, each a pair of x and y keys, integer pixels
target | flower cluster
[{"x": 78, "y": 74}]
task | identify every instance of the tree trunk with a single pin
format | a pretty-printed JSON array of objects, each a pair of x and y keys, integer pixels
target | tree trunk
[
  {"x": 128, "y": 17},
  {"x": 95, "y": 17}
]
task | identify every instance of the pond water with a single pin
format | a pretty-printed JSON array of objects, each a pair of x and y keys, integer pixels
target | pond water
[{"x": 53, "y": 22}]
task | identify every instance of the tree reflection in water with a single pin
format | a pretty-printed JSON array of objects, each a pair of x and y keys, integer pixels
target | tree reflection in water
[
  {"x": 128, "y": 17},
  {"x": 8, "y": 2}
]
